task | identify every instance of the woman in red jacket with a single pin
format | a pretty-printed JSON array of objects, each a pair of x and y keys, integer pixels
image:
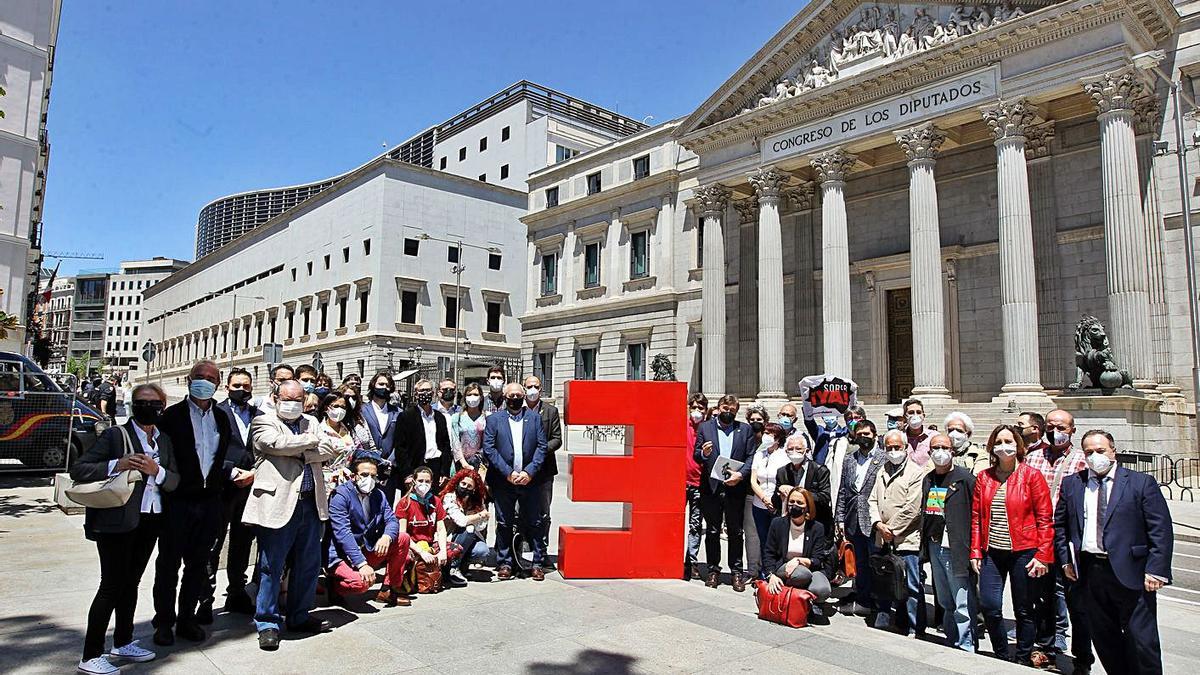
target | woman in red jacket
[
  {"x": 1011, "y": 538},
  {"x": 697, "y": 413}
]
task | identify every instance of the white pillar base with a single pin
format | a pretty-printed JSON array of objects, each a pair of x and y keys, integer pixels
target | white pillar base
[{"x": 928, "y": 394}]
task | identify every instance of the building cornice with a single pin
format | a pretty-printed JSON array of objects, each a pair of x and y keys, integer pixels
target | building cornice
[
  {"x": 543, "y": 317},
  {"x": 599, "y": 201}
]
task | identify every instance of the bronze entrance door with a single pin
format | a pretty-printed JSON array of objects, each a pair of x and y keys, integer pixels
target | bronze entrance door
[{"x": 900, "y": 344}]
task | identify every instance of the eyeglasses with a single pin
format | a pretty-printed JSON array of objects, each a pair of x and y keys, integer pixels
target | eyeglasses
[{"x": 366, "y": 474}]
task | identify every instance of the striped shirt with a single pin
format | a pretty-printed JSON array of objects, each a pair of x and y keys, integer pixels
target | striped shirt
[{"x": 998, "y": 535}]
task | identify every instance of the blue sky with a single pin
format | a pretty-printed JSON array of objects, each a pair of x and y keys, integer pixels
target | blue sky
[{"x": 158, "y": 107}]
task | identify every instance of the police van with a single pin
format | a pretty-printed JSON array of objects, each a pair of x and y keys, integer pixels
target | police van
[{"x": 42, "y": 427}]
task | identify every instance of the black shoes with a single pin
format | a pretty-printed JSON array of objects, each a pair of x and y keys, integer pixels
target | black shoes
[
  {"x": 713, "y": 580},
  {"x": 739, "y": 582},
  {"x": 204, "y": 614},
  {"x": 268, "y": 640},
  {"x": 189, "y": 630},
  {"x": 163, "y": 637},
  {"x": 238, "y": 602},
  {"x": 312, "y": 626}
]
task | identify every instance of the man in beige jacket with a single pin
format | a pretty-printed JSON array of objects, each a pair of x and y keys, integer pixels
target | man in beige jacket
[
  {"x": 895, "y": 504},
  {"x": 288, "y": 503}
]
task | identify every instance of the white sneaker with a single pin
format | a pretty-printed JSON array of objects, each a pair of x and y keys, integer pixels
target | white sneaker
[
  {"x": 132, "y": 652},
  {"x": 97, "y": 666}
]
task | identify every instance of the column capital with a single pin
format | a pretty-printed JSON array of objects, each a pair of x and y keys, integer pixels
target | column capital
[
  {"x": 767, "y": 182},
  {"x": 1147, "y": 114},
  {"x": 747, "y": 210},
  {"x": 1115, "y": 92},
  {"x": 1010, "y": 119},
  {"x": 922, "y": 142},
  {"x": 800, "y": 197},
  {"x": 712, "y": 199},
  {"x": 1038, "y": 140},
  {"x": 832, "y": 166}
]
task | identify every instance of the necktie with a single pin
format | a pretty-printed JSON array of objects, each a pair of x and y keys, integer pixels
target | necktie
[{"x": 1101, "y": 507}]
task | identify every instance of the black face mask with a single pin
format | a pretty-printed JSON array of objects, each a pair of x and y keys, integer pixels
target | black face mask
[
  {"x": 795, "y": 511},
  {"x": 757, "y": 427},
  {"x": 239, "y": 396},
  {"x": 448, "y": 395},
  {"x": 514, "y": 404},
  {"x": 725, "y": 417},
  {"x": 424, "y": 397},
  {"x": 865, "y": 442},
  {"x": 463, "y": 492},
  {"x": 381, "y": 392},
  {"x": 146, "y": 413}
]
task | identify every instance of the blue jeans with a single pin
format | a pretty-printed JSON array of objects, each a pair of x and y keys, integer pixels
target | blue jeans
[
  {"x": 762, "y": 523},
  {"x": 473, "y": 548},
  {"x": 508, "y": 498},
  {"x": 912, "y": 618},
  {"x": 954, "y": 594},
  {"x": 999, "y": 565},
  {"x": 864, "y": 546},
  {"x": 300, "y": 539}
]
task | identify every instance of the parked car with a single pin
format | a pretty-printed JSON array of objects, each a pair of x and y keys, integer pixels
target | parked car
[{"x": 36, "y": 415}]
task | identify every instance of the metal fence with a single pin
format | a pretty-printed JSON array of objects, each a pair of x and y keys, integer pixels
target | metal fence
[
  {"x": 1159, "y": 467},
  {"x": 41, "y": 428}
]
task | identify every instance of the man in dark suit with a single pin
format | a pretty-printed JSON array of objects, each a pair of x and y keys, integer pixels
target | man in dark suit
[
  {"x": 380, "y": 414},
  {"x": 1113, "y": 534},
  {"x": 552, "y": 424},
  {"x": 192, "y": 513},
  {"x": 514, "y": 443},
  {"x": 803, "y": 471},
  {"x": 422, "y": 439},
  {"x": 852, "y": 514},
  {"x": 724, "y": 501},
  {"x": 239, "y": 462}
]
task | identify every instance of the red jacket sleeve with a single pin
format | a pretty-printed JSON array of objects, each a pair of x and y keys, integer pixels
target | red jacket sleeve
[
  {"x": 977, "y": 538},
  {"x": 1043, "y": 515}
]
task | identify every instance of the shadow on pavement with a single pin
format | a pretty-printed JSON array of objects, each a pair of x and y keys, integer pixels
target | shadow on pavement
[
  {"x": 586, "y": 663},
  {"x": 13, "y": 507}
]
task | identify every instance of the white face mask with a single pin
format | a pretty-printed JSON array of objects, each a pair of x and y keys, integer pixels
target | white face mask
[
  {"x": 1099, "y": 462},
  {"x": 958, "y": 438},
  {"x": 941, "y": 457},
  {"x": 767, "y": 445},
  {"x": 496, "y": 384},
  {"x": 289, "y": 410},
  {"x": 697, "y": 416},
  {"x": 797, "y": 456},
  {"x": 422, "y": 489},
  {"x": 472, "y": 401},
  {"x": 1061, "y": 438},
  {"x": 896, "y": 457},
  {"x": 915, "y": 421},
  {"x": 1005, "y": 449},
  {"x": 336, "y": 414},
  {"x": 365, "y": 484},
  {"x": 532, "y": 395}
]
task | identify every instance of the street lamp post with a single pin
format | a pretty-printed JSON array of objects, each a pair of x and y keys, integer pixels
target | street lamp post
[{"x": 458, "y": 269}]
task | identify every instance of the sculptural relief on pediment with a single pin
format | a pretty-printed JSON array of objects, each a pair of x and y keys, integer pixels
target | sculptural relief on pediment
[{"x": 879, "y": 34}]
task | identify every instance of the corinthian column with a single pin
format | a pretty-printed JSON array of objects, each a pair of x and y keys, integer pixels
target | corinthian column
[
  {"x": 713, "y": 199},
  {"x": 1018, "y": 285},
  {"x": 921, "y": 144},
  {"x": 1125, "y": 245},
  {"x": 767, "y": 183},
  {"x": 831, "y": 169}
]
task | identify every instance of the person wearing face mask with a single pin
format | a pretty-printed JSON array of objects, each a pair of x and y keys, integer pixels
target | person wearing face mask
[
  {"x": 894, "y": 419},
  {"x": 334, "y": 413},
  {"x": 1114, "y": 538},
  {"x": 421, "y": 514},
  {"x": 422, "y": 438},
  {"x": 697, "y": 413},
  {"x": 724, "y": 502},
  {"x": 289, "y": 504},
  {"x": 281, "y": 373},
  {"x": 466, "y": 429},
  {"x": 365, "y": 534},
  {"x": 769, "y": 458},
  {"x": 916, "y": 434},
  {"x": 552, "y": 424},
  {"x": 946, "y": 541},
  {"x": 200, "y": 436},
  {"x": 125, "y": 535},
  {"x": 465, "y": 499},
  {"x": 495, "y": 390},
  {"x": 324, "y": 386},
  {"x": 757, "y": 418},
  {"x": 1011, "y": 537},
  {"x": 787, "y": 418},
  {"x": 826, "y": 430},
  {"x": 1033, "y": 431},
  {"x": 895, "y": 505},
  {"x": 852, "y": 513},
  {"x": 241, "y": 411},
  {"x": 968, "y": 455},
  {"x": 801, "y": 470},
  {"x": 380, "y": 415},
  {"x": 446, "y": 401},
  {"x": 354, "y": 381},
  {"x": 307, "y": 376},
  {"x": 798, "y": 552},
  {"x": 514, "y": 444}
]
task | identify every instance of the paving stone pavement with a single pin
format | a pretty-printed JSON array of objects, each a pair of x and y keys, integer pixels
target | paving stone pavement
[{"x": 558, "y": 626}]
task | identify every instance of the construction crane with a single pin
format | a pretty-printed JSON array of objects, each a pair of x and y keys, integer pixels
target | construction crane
[{"x": 71, "y": 255}]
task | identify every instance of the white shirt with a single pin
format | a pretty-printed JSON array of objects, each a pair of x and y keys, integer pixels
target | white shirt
[
  {"x": 381, "y": 414},
  {"x": 243, "y": 428},
  {"x": 1091, "y": 502},
  {"x": 795, "y": 547},
  {"x": 861, "y": 462},
  {"x": 517, "y": 429},
  {"x": 430, "y": 422},
  {"x": 204, "y": 427},
  {"x": 765, "y": 466},
  {"x": 151, "y": 501}
]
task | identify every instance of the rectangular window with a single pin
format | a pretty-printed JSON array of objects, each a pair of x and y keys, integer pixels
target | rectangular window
[
  {"x": 346, "y": 254},
  {"x": 291, "y": 319},
  {"x": 503, "y": 172},
  {"x": 493, "y": 317},
  {"x": 442, "y": 164},
  {"x": 493, "y": 261},
  {"x": 293, "y": 274},
  {"x": 258, "y": 332},
  {"x": 462, "y": 154},
  {"x": 593, "y": 183},
  {"x": 324, "y": 315},
  {"x": 453, "y": 253},
  {"x": 366, "y": 247},
  {"x": 641, "y": 167},
  {"x": 551, "y": 197},
  {"x": 483, "y": 144},
  {"x": 562, "y": 153},
  {"x": 635, "y": 361},
  {"x": 408, "y": 307},
  {"x": 272, "y": 330},
  {"x": 362, "y": 305},
  {"x": 591, "y": 265},
  {"x": 543, "y": 369},
  {"x": 310, "y": 268},
  {"x": 307, "y": 315},
  {"x": 342, "y": 301},
  {"x": 505, "y": 133},
  {"x": 412, "y": 246},
  {"x": 639, "y": 255},
  {"x": 549, "y": 274},
  {"x": 451, "y": 312},
  {"x": 326, "y": 262},
  {"x": 585, "y": 364}
]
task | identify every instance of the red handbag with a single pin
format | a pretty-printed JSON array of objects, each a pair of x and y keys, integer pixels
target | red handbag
[{"x": 788, "y": 607}]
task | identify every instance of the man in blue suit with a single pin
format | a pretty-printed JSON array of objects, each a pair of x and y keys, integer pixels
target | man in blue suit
[
  {"x": 1112, "y": 534},
  {"x": 514, "y": 443},
  {"x": 380, "y": 415},
  {"x": 724, "y": 501},
  {"x": 365, "y": 534}
]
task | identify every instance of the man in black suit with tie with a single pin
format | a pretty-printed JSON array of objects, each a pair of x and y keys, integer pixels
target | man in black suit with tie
[
  {"x": 724, "y": 501},
  {"x": 552, "y": 425},
  {"x": 422, "y": 438},
  {"x": 1113, "y": 534},
  {"x": 380, "y": 415},
  {"x": 200, "y": 436}
]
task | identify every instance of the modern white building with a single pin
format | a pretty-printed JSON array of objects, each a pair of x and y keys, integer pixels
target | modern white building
[
  {"x": 123, "y": 315},
  {"x": 28, "y": 33}
]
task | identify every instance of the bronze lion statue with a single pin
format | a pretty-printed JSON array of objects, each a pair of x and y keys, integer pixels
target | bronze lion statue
[{"x": 1094, "y": 358}]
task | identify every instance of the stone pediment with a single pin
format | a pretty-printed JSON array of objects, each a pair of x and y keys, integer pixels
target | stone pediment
[{"x": 836, "y": 40}]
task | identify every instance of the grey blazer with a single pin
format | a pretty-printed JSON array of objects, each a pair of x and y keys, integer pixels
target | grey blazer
[{"x": 93, "y": 466}]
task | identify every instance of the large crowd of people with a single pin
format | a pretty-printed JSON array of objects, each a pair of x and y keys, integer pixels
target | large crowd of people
[{"x": 346, "y": 492}]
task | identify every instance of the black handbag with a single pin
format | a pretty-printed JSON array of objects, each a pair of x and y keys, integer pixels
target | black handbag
[{"x": 889, "y": 576}]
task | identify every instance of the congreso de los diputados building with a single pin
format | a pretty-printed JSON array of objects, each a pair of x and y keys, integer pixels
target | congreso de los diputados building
[{"x": 944, "y": 200}]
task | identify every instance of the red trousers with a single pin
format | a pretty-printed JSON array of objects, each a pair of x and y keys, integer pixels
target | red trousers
[{"x": 348, "y": 580}]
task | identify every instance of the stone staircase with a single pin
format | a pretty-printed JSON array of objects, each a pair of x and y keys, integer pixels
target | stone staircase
[{"x": 986, "y": 416}]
